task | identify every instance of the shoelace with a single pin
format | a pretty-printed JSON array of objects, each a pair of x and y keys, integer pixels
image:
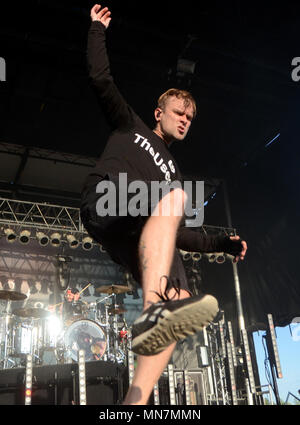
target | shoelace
[{"x": 164, "y": 296}]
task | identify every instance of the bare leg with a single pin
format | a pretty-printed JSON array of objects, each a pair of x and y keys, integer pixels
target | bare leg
[
  {"x": 148, "y": 371},
  {"x": 157, "y": 244}
]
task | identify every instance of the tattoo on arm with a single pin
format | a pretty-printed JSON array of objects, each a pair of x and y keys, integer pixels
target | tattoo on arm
[{"x": 143, "y": 259}]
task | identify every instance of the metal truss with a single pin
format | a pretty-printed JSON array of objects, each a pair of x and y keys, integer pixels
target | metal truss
[
  {"x": 33, "y": 265},
  {"x": 46, "y": 216},
  {"x": 43, "y": 216},
  {"x": 214, "y": 230},
  {"x": 222, "y": 394}
]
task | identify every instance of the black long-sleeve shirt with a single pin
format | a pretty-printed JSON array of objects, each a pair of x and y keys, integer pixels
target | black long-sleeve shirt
[{"x": 132, "y": 147}]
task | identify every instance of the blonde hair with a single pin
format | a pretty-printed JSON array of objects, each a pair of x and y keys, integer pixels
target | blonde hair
[{"x": 180, "y": 94}]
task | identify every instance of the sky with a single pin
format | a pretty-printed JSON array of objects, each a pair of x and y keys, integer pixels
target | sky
[{"x": 289, "y": 354}]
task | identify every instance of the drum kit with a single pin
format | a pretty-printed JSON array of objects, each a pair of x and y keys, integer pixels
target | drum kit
[{"x": 51, "y": 337}]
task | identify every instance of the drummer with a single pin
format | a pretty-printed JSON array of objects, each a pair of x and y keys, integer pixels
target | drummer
[{"x": 72, "y": 307}]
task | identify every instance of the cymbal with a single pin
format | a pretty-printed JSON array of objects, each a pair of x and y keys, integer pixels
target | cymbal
[
  {"x": 117, "y": 310},
  {"x": 36, "y": 313},
  {"x": 12, "y": 296},
  {"x": 112, "y": 289}
]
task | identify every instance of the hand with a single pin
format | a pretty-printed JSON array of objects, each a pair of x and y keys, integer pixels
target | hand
[
  {"x": 101, "y": 15},
  {"x": 242, "y": 254}
]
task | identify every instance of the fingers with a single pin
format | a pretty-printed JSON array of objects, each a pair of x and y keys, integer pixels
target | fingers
[
  {"x": 106, "y": 17},
  {"x": 244, "y": 250},
  {"x": 245, "y": 247},
  {"x": 103, "y": 12},
  {"x": 102, "y": 15},
  {"x": 98, "y": 11},
  {"x": 242, "y": 254},
  {"x": 95, "y": 9}
]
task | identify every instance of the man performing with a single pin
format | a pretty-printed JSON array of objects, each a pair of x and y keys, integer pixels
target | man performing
[{"x": 146, "y": 245}]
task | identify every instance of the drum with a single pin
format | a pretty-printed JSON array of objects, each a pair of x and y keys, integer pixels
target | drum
[
  {"x": 5, "y": 325},
  {"x": 6, "y": 333},
  {"x": 25, "y": 339},
  {"x": 85, "y": 335}
]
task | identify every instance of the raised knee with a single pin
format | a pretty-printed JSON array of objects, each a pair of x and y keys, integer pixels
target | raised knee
[
  {"x": 174, "y": 202},
  {"x": 179, "y": 195}
]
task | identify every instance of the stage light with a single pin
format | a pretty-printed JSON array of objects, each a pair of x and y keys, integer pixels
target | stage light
[
  {"x": 102, "y": 249},
  {"x": 186, "y": 256},
  {"x": 273, "y": 348},
  {"x": 171, "y": 384},
  {"x": 82, "y": 377},
  {"x": 54, "y": 327},
  {"x": 187, "y": 388},
  {"x": 28, "y": 378},
  {"x": 196, "y": 256},
  {"x": 63, "y": 270},
  {"x": 211, "y": 257},
  {"x": 55, "y": 239},
  {"x": 130, "y": 362},
  {"x": 231, "y": 373},
  {"x": 24, "y": 237},
  {"x": 231, "y": 340},
  {"x": 222, "y": 337},
  {"x": 73, "y": 242},
  {"x": 87, "y": 243},
  {"x": 10, "y": 235},
  {"x": 248, "y": 359},
  {"x": 156, "y": 394},
  {"x": 220, "y": 259},
  {"x": 42, "y": 238}
]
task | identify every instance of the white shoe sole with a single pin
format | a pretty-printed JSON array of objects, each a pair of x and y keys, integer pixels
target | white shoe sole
[{"x": 176, "y": 325}]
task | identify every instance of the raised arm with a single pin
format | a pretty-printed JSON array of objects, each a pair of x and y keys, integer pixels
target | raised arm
[
  {"x": 115, "y": 108},
  {"x": 189, "y": 240}
]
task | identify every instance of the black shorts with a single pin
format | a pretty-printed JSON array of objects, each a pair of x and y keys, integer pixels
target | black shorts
[{"x": 120, "y": 235}]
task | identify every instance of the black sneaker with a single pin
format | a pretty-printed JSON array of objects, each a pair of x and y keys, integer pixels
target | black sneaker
[{"x": 169, "y": 321}]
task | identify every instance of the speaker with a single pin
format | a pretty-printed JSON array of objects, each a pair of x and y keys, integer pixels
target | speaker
[{"x": 106, "y": 384}]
